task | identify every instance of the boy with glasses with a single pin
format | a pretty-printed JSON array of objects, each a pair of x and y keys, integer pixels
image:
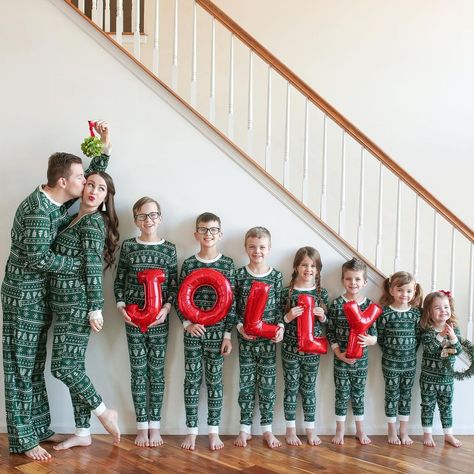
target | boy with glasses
[
  {"x": 206, "y": 346},
  {"x": 147, "y": 350}
]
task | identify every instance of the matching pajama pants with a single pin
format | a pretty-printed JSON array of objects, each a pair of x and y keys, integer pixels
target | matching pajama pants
[
  {"x": 199, "y": 351},
  {"x": 25, "y": 330},
  {"x": 257, "y": 360},
  {"x": 70, "y": 340},
  {"x": 398, "y": 385},
  {"x": 147, "y": 353},
  {"x": 300, "y": 372},
  {"x": 350, "y": 383},
  {"x": 433, "y": 392}
]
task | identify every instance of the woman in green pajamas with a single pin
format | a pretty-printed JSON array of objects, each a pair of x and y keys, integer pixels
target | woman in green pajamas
[
  {"x": 77, "y": 302},
  {"x": 147, "y": 350},
  {"x": 300, "y": 370}
]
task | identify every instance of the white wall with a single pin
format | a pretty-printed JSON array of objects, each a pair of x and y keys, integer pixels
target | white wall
[
  {"x": 401, "y": 71},
  {"x": 54, "y": 79}
]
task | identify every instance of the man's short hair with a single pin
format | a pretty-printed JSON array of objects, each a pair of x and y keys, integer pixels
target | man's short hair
[{"x": 59, "y": 166}]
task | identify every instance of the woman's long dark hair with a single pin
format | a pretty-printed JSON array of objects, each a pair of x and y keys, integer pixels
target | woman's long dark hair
[{"x": 107, "y": 210}]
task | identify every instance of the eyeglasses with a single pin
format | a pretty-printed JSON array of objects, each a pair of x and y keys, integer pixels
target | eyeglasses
[
  {"x": 205, "y": 230},
  {"x": 143, "y": 217}
]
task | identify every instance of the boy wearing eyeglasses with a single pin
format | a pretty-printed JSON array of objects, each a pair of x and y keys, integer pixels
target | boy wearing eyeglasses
[
  {"x": 146, "y": 350},
  {"x": 206, "y": 346}
]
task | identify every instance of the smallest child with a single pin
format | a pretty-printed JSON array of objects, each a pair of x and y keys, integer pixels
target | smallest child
[
  {"x": 441, "y": 343},
  {"x": 350, "y": 375}
]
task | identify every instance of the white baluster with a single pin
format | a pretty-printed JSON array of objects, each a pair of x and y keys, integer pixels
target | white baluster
[
  {"x": 453, "y": 259},
  {"x": 396, "y": 263},
  {"x": 119, "y": 22},
  {"x": 360, "y": 230},
  {"x": 100, "y": 13},
  {"x": 94, "y": 13},
  {"x": 471, "y": 295},
  {"x": 107, "y": 16},
  {"x": 136, "y": 31},
  {"x": 416, "y": 243},
  {"x": 342, "y": 209},
  {"x": 80, "y": 5},
  {"x": 324, "y": 173},
  {"x": 174, "y": 67},
  {"x": 434, "y": 263},
  {"x": 286, "y": 161},
  {"x": 379, "y": 248},
  {"x": 230, "y": 127},
  {"x": 194, "y": 60},
  {"x": 304, "y": 187},
  {"x": 212, "y": 96},
  {"x": 250, "y": 107},
  {"x": 156, "y": 39},
  {"x": 268, "y": 144}
]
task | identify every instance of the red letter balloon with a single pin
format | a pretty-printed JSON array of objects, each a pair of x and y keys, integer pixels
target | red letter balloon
[
  {"x": 151, "y": 279},
  {"x": 195, "y": 280},
  {"x": 305, "y": 326},
  {"x": 359, "y": 322},
  {"x": 253, "y": 324}
]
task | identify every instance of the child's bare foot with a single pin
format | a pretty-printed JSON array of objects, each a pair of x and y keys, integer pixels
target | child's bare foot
[
  {"x": 404, "y": 438},
  {"x": 340, "y": 430},
  {"x": 109, "y": 422},
  {"x": 313, "y": 440},
  {"x": 363, "y": 438},
  {"x": 38, "y": 454},
  {"x": 155, "y": 438},
  {"x": 55, "y": 438},
  {"x": 189, "y": 442},
  {"x": 392, "y": 434},
  {"x": 142, "y": 438},
  {"x": 271, "y": 441},
  {"x": 291, "y": 437},
  {"x": 428, "y": 440},
  {"x": 73, "y": 441},
  {"x": 449, "y": 438},
  {"x": 215, "y": 442},
  {"x": 242, "y": 438}
]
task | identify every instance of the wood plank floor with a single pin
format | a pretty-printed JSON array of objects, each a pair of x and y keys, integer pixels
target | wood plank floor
[{"x": 351, "y": 458}]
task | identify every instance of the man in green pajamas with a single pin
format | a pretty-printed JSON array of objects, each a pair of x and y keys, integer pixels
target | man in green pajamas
[
  {"x": 206, "y": 345},
  {"x": 26, "y": 313}
]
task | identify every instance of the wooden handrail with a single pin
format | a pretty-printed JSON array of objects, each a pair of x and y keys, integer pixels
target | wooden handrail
[{"x": 336, "y": 116}]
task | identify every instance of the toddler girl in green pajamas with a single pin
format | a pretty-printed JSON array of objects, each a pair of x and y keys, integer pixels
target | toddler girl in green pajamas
[{"x": 300, "y": 370}]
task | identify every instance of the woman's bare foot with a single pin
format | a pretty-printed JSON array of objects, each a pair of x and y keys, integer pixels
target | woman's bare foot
[
  {"x": 312, "y": 439},
  {"x": 73, "y": 441},
  {"x": 38, "y": 454},
  {"x": 338, "y": 438},
  {"x": 291, "y": 437},
  {"x": 271, "y": 441},
  {"x": 404, "y": 438},
  {"x": 449, "y": 438},
  {"x": 155, "y": 438},
  {"x": 392, "y": 434},
  {"x": 215, "y": 442},
  {"x": 242, "y": 438},
  {"x": 142, "y": 438},
  {"x": 428, "y": 440},
  {"x": 189, "y": 442},
  {"x": 109, "y": 422}
]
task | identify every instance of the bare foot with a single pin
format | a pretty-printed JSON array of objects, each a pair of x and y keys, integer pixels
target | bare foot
[
  {"x": 428, "y": 440},
  {"x": 215, "y": 442},
  {"x": 189, "y": 442},
  {"x": 291, "y": 437},
  {"x": 109, "y": 422},
  {"x": 313, "y": 440},
  {"x": 55, "y": 438},
  {"x": 339, "y": 436},
  {"x": 242, "y": 438},
  {"x": 73, "y": 441},
  {"x": 392, "y": 434},
  {"x": 271, "y": 441},
  {"x": 142, "y": 438},
  {"x": 38, "y": 454},
  {"x": 155, "y": 438},
  {"x": 363, "y": 438},
  {"x": 405, "y": 439},
  {"x": 448, "y": 438}
]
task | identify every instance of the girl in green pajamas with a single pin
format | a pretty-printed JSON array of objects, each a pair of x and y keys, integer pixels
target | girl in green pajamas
[
  {"x": 398, "y": 335},
  {"x": 146, "y": 350},
  {"x": 257, "y": 355},
  {"x": 77, "y": 302},
  {"x": 300, "y": 370},
  {"x": 441, "y": 343}
]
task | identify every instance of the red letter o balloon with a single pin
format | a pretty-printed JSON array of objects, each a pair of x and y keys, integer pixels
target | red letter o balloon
[
  {"x": 195, "y": 280},
  {"x": 152, "y": 279},
  {"x": 305, "y": 327}
]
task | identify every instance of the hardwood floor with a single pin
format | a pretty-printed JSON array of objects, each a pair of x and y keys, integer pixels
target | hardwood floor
[{"x": 350, "y": 458}]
